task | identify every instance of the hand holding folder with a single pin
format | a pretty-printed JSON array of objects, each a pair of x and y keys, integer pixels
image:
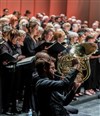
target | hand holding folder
[{"x": 6, "y": 59}]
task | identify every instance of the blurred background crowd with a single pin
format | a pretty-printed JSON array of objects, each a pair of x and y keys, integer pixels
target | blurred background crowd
[{"x": 21, "y": 34}]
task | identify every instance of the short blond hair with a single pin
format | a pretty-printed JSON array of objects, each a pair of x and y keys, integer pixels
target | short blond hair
[
  {"x": 66, "y": 25},
  {"x": 58, "y": 34}
]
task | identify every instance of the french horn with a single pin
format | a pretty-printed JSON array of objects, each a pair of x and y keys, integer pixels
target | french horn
[{"x": 78, "y": 52}]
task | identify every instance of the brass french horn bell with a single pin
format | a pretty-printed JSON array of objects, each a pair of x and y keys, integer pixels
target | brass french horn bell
[{"x": 80, "y": 52}]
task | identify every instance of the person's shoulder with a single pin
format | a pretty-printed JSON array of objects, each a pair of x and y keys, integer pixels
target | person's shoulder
[
  {"x": 27, "y": 35},
  {"x": 27, "y": 38},
  {"x": 5, "y": 43},
  {"x": 42, "y": 80}
]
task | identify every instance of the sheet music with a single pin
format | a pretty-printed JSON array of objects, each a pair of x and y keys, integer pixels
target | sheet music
[{"x": 26, "y": 61}]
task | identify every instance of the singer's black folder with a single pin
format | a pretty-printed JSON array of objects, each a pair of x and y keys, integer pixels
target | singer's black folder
[
  {"x": 42, "y": 46},
  {"x": 6, "y": 57},
  {"x": 55, "y": 49},
  {"x": 11, "y": 60}
]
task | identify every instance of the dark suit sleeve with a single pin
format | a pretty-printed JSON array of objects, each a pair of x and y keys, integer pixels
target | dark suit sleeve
[
  {"x": 57, "y": 85},
  {"x": 69, "y": 97}
]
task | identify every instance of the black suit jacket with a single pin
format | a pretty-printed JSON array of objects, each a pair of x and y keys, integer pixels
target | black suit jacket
[
  {"x": 51, "y": 102},
  {"x": 29, "y": 46}
]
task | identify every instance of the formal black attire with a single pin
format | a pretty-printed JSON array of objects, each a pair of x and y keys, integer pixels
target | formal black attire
[
  {"x": 0, "y": 92},
  {"x": 98, "y": 68},
  {"x": 9, "y": 78},
  {"x": 70, "y": 109},
  {"x": 51, "y": 102},
  {"x": 35, "y": 77},
  {"x": 28, "y": 50},
  {"x": 29, "y": 46},
  {"x": 1, "y": 44},
  {"x": 91, "y": 82}
]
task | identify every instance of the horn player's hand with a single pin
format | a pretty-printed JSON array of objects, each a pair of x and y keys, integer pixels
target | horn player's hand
[
  {"x": 76, "y": 86},
  {"x": 79, "y": 78},
  {"x": 77, "y": 66}
]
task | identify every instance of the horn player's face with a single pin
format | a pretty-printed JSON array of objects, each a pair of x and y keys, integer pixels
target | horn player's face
[{"x": 52, "y": 69}]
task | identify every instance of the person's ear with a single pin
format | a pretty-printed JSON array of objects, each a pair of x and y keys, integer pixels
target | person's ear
[{"x": 46, "y": 66}]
